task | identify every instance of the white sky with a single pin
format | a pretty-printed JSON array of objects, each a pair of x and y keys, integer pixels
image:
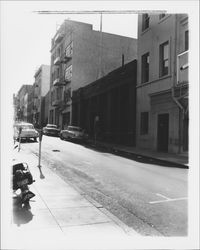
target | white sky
[{"x": 27, "y": 35}]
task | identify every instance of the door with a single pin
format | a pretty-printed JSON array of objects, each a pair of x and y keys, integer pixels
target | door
[{"x": 163, "y": 132}]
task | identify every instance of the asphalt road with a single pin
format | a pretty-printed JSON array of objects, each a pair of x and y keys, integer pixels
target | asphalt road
[{"x": 151, "y": 199}]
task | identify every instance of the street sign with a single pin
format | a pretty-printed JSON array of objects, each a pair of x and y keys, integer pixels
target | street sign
[{"x": 182, "y": 68}]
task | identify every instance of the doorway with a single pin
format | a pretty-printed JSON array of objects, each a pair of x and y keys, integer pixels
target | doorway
[{"x": 163, "y": 132}]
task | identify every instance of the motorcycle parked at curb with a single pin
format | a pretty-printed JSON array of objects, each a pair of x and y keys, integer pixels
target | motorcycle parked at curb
[{"x": 21, "y": 178}]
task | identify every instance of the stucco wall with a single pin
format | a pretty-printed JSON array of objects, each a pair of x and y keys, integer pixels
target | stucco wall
[
  {"x": 89, "y": 56},
  {"x": 159, "y": 31}
]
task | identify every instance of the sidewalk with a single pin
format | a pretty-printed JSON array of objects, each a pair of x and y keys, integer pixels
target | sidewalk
[
  {"x": 144, "y": 155},
  {"x": 61, "y": 217}
]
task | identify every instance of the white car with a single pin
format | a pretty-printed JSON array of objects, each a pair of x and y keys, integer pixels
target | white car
[
  {"x": 51, "y": 129},
  {"x": 27, "y": 131},
  {"x": 73, "y": 133}
]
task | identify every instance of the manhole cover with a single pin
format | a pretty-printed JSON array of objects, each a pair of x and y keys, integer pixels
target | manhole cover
[{"x": 56, "y": 150}]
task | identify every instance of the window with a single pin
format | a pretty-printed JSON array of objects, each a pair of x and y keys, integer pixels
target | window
[
  {"x": 69, "y": 50},
  {"x": 59, "y": 52},
  {"x": 186, "y": 40},
  {"x": 144, "y": 123},
  {"x": 57, "y": 73},
  {"x": 58, "y": 93},
  {"x": 162, "y": 16},
  {"x": 52, "y": 96},
  {"x": 67, "y": 95},
  {"x": 164, "y": 59},
  {"x": 68, "y": 73},
  {"x": 145, "y": 21},
  {"x": 145, "y": 68}
]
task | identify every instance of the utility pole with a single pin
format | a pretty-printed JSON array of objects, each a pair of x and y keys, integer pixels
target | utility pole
[{"x": 100, "y": 49}]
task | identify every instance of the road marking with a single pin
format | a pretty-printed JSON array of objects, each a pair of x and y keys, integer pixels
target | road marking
[
  {"x": 176, "y": 199},
  {"x": 166, "y": 199},
  {"x": 87, "y": 162}
]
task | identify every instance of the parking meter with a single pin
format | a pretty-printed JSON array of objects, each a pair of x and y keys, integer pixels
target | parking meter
[
  {"x": 40, "y": 134},
  {"x": 20, "y": 130},
  {"x": 40, "y": 142}
]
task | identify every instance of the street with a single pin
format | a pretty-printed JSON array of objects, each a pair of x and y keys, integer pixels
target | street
[{"x": 151, "y": 199}]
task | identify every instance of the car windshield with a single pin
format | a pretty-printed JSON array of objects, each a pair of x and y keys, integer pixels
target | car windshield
[
  {"x": 51, "y": 126},
  {"x": 75, "y": 129},
  {"x": 24, "y": 126}
]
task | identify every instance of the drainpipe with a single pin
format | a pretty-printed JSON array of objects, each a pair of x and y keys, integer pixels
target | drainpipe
[{"x": 181, "y": 108}]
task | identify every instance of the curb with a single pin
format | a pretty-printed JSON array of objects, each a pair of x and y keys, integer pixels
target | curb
[
  {"x": 140, "y": 157},
  {"x": 128, "y": 230}
]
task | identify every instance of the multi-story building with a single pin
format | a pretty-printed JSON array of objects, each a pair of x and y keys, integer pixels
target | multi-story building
[
  {"x": 41, "y": 87},
  {"x": 162, "y": 82},
  {"x": 46, "y": 107},
  {"x": 110, "y": 101},
  {"x": 22, "y": 97},
  {"x": 15, "y": 106},
  {"x": 79, "y": 56}
]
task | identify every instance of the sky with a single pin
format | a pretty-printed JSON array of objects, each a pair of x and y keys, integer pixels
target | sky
[{"x": 27, "y": 35}]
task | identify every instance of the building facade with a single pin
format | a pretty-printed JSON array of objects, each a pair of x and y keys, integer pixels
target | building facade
[
  {"x": 22, "y": 102},
  {"x": 107, "y": 107},
  {"x": 79, "y": 56},
  {"x": 41, "y": 87},
  {"x": 162, "y": 82}
]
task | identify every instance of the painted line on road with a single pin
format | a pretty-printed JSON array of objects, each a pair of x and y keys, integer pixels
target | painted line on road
[
  {"x": 167, "y": 200},
  {"x": 87, "y": 163},
  {"x": 163, "y": 196}
]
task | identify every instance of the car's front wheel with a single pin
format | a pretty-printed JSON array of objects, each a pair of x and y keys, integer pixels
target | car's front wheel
[{"x": 61, "y": 137}]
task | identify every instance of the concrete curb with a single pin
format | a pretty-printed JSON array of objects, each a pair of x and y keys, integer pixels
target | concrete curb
[
  {"x": 139, "y": 157},
  {"x": 122, "y": 225}
]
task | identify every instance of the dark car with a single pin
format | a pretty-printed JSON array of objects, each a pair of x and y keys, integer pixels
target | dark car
[
  {"x": 51, "y": 130},
  {"x": 73, "y": 133}
]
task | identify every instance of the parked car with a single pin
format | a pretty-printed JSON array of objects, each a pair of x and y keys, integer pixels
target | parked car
[
  {"x": 51, "y": 130},
  {"x": 73, "y": 133},
  {"x": 27, "y": 131}
]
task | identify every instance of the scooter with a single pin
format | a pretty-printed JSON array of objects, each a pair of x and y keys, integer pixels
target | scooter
[{"x": 22, "y": 177}]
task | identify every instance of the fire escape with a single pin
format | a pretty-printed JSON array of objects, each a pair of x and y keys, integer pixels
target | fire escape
[{"x": 62, "y": 97}]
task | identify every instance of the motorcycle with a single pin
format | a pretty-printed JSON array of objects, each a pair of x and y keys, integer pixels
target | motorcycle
[{"x": 21, "y": 178}]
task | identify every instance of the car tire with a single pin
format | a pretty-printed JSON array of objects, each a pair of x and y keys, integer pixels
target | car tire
[
  {"x": 61, "y": 137},
  {"x": 35, "y": 139}
]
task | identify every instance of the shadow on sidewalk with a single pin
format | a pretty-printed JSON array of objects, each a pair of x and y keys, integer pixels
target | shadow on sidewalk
[{"x": 20, "y": 215}]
